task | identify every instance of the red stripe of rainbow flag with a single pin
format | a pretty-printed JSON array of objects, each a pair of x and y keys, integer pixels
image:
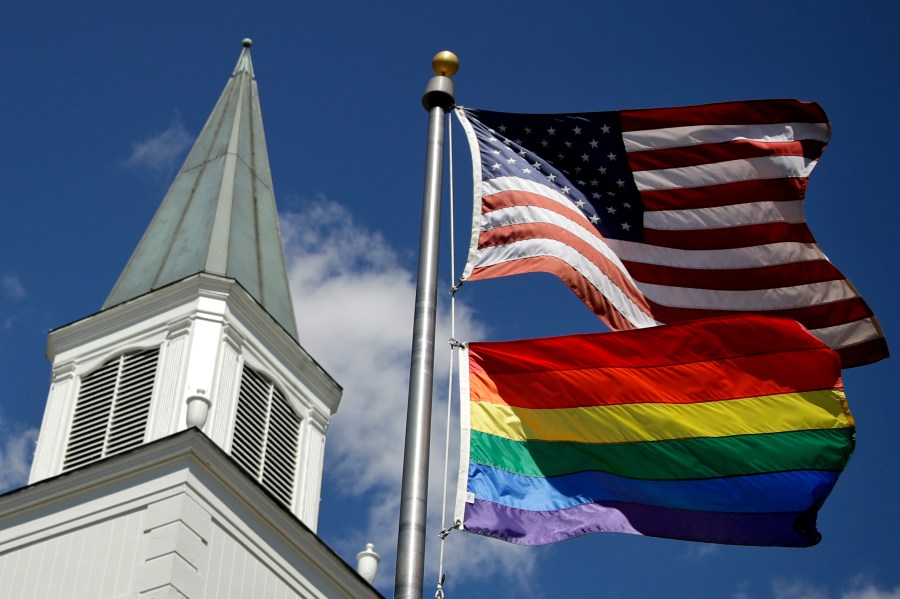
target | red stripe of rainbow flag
[{"x": 730, "y": 430}]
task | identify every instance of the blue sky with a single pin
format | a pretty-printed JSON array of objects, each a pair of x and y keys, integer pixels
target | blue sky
[{"x": 101, "y": 102}]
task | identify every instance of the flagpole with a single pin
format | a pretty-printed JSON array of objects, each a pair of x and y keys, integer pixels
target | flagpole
[{"x": 438, "y": 98}]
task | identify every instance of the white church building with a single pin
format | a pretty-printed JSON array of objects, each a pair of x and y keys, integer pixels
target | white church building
[{"x": 181, "y": 449}]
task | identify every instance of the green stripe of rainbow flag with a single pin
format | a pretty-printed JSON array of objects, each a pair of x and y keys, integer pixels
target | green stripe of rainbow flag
[{"x": 668, "y": 460}]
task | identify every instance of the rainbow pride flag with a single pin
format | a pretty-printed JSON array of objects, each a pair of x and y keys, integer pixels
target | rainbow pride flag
[{"x": 730, "y": 430}]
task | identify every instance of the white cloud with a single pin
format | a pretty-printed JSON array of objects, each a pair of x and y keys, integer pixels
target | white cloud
[
  {"x": 16, "y": 452},
  {"x": 12, "y": 286},
  {"x": 700, "y": 551},
  {"x": 354, "y": 304},
  {"x": 857, "y": 588},
  {"x": 797, "y": 589},
  {"x": 160, "y": 152},
  {"x": 741, "y": 591},
  {"x": 867, "y": 590}
]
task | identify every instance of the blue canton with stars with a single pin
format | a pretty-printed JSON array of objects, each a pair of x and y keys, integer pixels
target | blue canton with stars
[{"x": 582, "y": 156}]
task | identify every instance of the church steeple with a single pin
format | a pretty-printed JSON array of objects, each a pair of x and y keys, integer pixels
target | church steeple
[
  {"x": 199, "y": 330},
  {"x": 219, "y": 215}
]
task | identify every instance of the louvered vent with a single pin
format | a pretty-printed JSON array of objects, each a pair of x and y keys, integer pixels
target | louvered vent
[
  {"x": 266, "y": 435},
  {"x": 112, "y": 408}
]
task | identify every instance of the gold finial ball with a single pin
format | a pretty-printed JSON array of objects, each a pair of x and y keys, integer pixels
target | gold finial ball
[
  {"x": 445, "y": 64},
  {"x": 247, "y": 42}
]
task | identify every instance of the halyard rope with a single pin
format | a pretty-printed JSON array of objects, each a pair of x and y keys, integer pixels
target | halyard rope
[{"x": 439, "y": 593}]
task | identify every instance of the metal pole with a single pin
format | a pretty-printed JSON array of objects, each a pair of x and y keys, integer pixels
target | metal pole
[{"x": 438, "y": 98}]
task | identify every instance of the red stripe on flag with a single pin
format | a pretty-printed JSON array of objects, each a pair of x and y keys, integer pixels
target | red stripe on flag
[
  {"x": 863, "y": 353},
  {"x": 575, "y": 352},
  {"x": 719, "y": 152},
  {"x": 729, "y": 194},
  {"x": 818, "y": 316},
  {"x": 729, "y": 237},
  {"x": 736, "y": 279},
  {"x": 691, "y": 382},
  {"x": 725, "y": 113},
  {"x": 517, "y": 198}
]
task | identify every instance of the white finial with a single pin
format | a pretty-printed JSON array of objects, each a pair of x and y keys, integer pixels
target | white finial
[
  {"x": 247, "y": 42},
  {"x": 197, "y": 409},
  {"x": 367, "y": 563}
]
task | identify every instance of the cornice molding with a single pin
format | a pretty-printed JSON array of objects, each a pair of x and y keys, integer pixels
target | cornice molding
[
  {"x": 175, "y": 306},
  {"x": 63, "y": 371}
]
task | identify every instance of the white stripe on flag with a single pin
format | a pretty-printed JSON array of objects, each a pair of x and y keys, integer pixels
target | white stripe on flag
[
  {"x": 499, "y": 184},
  {"x": 756, "y": 300},
  {"x": 729, "y": 171},
  {"x": 848, "y": 334},
  {"x": 674, "y": 137},
  {"x": 720, "y": 217},
  {"x": 750, "y": 257},
  {"x": 523, "y": 215}
]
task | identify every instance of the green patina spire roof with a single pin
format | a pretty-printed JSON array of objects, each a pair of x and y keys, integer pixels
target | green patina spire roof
[{"x": 219, "y": 216}]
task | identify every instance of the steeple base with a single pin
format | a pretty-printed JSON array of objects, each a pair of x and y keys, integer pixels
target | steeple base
[
  {"x": 203, "y": 351},
  {"x": 175, "y": 518}
]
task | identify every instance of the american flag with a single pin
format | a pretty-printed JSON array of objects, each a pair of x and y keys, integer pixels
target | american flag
[{"x": 665, "y": 215}]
